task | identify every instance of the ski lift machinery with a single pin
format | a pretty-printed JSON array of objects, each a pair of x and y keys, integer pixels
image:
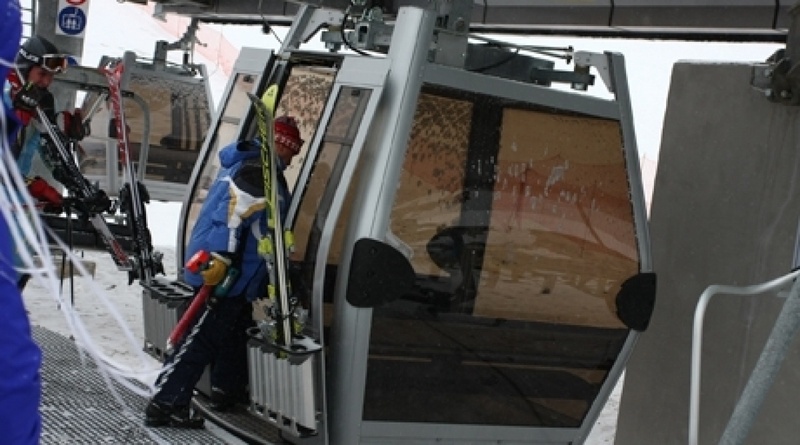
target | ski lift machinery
[
  {"x": 168, "y": 110},
  {"x": 471, "y": 243}
]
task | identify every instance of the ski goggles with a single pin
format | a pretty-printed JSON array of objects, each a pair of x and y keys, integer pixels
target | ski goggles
[
  {"x": 55, "y": 63},
  {"x": 291, "y": 143}
]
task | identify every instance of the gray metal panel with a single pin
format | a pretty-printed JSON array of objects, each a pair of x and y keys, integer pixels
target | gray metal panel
[
  {"x": 694, "y": 13},
  {"x": 564, "y": 100},
  {"x": 553, "y": 12},
  {"x": 369, "y": 73},
  {"x": 620, "y": 86},
  {"x": 782, "y": 19},
  {"x": 228, "y": 10},
  {"x": 395, "y": 432},
  {"x": 385, "y": 146},
  {"x": 724, "y": 211},
  {"x": 478, "y": 12},
  {"x": 478, "y": 7},
  {"x": 163, "y": 303},
  {"x": 282, "y": 389},
  {"x": 728, "y": 20}
]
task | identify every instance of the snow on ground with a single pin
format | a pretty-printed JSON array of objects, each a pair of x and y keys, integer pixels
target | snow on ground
[{"x": 88, "y": 298}]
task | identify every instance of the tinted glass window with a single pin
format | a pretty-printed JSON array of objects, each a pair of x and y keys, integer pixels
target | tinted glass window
[{"x": 519, "y": 226}]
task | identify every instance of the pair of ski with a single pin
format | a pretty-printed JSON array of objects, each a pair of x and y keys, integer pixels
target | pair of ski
[
  {"x": 145, "y": 263},
  {"x": 273, "y": 247},
  {"x": 149, "y": 262},
  {"x": 276, "y": 244}
]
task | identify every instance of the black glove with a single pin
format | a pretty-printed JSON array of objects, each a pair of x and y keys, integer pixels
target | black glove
[
  {"x": 28, "y": 97},
  {"x": 98, "y": 202}
]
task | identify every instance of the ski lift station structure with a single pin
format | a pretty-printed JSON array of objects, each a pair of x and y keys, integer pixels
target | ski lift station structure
[
  {"x": 472, "y": 244},
  {"x": 167, "y": 109}
]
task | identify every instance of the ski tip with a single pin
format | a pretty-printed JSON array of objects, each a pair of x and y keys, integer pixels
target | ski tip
[
  {"x": 268, "y": 99},
  {"x": 253, "y": 97},
  {"x": 270, "y": 96}
]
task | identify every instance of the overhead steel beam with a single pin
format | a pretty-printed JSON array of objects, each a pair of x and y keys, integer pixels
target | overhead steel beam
[{"x": 724, "y": 20}]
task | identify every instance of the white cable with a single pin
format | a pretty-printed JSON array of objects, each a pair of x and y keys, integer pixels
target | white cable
[{"x": 29, "y": 235}]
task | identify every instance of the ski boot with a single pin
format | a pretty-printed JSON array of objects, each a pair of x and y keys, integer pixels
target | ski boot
[
  {"x": 158, "y": 414},
  {"x": 225, "y": 402}
]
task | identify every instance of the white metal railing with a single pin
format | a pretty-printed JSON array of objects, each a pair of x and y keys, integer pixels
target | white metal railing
[
  {"x": 768, "y": 363},
  {"x": 28, "y": 8}
]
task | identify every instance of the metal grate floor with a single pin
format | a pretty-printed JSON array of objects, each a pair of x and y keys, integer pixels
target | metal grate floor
[{"x": 78, "y": 408}]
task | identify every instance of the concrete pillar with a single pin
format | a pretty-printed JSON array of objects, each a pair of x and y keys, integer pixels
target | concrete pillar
[{"x": 725, "y": 211}]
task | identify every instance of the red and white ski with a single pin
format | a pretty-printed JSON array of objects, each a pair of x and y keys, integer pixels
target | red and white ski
[{"x": 133, "y": 195}]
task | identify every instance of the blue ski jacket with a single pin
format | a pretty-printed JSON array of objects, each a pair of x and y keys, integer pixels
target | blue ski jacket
[
  {"x": 233, "y": 218},
  {"x": 20, "y": 357}
]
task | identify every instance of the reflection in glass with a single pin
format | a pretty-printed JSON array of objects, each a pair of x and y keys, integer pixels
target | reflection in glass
[
  {"x": 521, "y": 231},
  {"x": 561, "y": 238},
  {"x": 304, "y": 97},
  {"x": 317, "y": 200}
]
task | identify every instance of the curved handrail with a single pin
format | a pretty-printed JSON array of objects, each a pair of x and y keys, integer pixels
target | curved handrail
[{"x": 697, "y": 336}]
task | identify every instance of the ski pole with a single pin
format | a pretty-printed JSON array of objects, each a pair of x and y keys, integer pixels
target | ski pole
[
  {"x": 188, "y": 317},
  {"x": 196, "y": 263}
]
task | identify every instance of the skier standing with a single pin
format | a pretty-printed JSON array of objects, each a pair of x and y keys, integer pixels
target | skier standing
[
  {"x": 20, "y": 357},
  {"x": 26, "y": 89},
  {"x": 25, "y": 95},
  {"x": 229, "y": 226}
]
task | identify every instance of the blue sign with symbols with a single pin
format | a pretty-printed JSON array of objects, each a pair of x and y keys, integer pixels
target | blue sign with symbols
[{"x": 71, "y": 21}]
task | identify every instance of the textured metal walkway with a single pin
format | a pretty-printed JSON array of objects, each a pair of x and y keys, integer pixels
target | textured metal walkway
[{"x": 78, "y": 408}]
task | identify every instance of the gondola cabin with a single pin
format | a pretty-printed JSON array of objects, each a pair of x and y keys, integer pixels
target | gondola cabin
[{"x": 471, "y": 259}]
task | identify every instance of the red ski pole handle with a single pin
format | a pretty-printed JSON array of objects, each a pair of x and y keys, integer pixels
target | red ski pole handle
[{"x": 198, "y": 261}]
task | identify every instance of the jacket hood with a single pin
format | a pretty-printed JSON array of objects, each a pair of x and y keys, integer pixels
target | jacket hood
[
  {"x": 238, "y": 152},
  {"x": 243, "y": 150}
]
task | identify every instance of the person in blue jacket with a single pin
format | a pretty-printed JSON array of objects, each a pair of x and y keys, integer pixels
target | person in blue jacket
[
  {"x": 20, "y": 356},
  {"x": 229, "y": 226}
]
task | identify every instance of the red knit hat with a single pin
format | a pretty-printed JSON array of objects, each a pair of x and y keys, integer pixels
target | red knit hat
[
  {"x": 286, "y": 128},
  {"x": 287, "y": 125}
]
